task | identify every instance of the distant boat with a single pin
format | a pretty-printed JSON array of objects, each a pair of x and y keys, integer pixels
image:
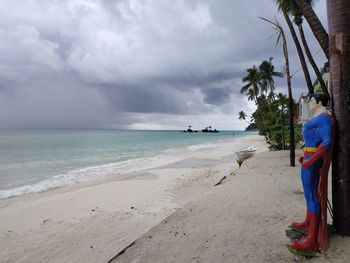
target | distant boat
[{"x": 246, "y": 153}]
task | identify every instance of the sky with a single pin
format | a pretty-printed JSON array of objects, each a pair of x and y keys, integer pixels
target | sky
[{"x": 136, "y": 64}]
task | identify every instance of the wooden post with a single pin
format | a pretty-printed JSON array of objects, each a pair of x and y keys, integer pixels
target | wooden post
[{"x": 339, "y": 46}]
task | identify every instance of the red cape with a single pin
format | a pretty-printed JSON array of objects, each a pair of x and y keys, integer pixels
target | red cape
[{"x": 323, "y": 235}]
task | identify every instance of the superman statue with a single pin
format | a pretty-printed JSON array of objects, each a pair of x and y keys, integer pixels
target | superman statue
[{"x": 318, "y": 138}]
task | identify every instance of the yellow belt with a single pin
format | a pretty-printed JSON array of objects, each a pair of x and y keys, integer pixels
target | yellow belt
[{"x": 310, "y": 149}]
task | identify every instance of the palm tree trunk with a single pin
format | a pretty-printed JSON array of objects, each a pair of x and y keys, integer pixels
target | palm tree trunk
[
  {"x": 315, "y": 25},
  {"x": 312, "y": 61},
  {"x": 282, "y": 124},
  {"x": 256, "y": 100},
  {"x": 339, "y": 28},
  {"x": 290, "y": 102},
  {"x": 300, "y": 53},
  {"x": 272, "y": 88}
]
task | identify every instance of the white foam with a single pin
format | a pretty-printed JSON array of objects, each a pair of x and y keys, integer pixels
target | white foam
[
  {"x": 100, "y": 171},
  {"x": 201, "y": 147},
  {"x": 92, "y": 173}
]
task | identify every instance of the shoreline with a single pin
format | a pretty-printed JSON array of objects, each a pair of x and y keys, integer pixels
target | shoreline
[
  {"x": 90, "y": 221},
  {"x": 95, "y": 173}
]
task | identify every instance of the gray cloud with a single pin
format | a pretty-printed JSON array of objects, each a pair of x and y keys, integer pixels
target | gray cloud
[{"x": 131, "y": 63}]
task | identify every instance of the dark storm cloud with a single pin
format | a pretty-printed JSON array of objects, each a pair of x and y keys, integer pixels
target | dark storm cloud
[
  {"x": 126, "y": 63},
  {"x": 148, "y": 99},
  {"x": 217, "y": 96}
]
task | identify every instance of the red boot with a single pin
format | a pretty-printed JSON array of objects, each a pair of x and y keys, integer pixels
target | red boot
[
  {"x": 309, "y": 243},
  {"x": 303, "y": 226}
]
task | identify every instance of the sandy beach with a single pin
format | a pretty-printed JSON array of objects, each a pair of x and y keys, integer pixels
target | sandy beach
[
  {"x": 242, "y": 220},
  {"x": 91, "y": 222},
  {"x": 174, "y": 213}
]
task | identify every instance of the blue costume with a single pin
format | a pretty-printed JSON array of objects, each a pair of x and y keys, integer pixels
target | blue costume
[
  {"x": 318, "y": 132},
  {"x": 318, "y": 137}
]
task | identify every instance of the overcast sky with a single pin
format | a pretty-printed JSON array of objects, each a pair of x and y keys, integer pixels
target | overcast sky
[{"x": 135, "y": 64}]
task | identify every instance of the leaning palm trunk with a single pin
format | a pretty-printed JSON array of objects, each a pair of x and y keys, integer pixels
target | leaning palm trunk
[
  {"x": 300, "y": 53},
  {"x": 280, "y": 31},
  {"x": 256, "y": 100},
  {"x": 315, "y": 25},
  {"x": 339, "y": 28},
  {"x": 312, "y": 61},
  {"x": 290, "y": 102},
  {"x": 272, "y": 89},
  {"x": 282, "y": 125}
]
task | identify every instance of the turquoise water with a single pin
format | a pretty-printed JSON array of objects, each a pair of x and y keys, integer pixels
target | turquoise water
[{"x": 35, "y": 161}]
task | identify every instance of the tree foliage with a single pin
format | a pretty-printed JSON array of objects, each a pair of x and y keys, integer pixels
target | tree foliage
[{"x": 271, "y": 115}]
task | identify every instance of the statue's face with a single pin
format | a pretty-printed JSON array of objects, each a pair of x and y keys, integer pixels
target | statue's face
[{"x": 313, "y": 104}]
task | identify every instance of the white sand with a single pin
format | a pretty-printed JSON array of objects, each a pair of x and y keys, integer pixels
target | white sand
[
  {"x": 91, "y": 222},
  {"x": 243, "y": 220}
]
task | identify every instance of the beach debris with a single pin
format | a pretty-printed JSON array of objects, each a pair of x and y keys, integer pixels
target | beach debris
[
  {"x": 240, "y": 162},
  {"x": 94, "y": 209},
  {"x": 245, "y": 154},
  {"x": 298, "y": 192},
  {"x": 133, "y": 207},
  {"x": 121, "y": 252},
  {"x": 45, "y": 221},
  {"x": 5, "y": 234},
  {"x": 221, "y": 180}
]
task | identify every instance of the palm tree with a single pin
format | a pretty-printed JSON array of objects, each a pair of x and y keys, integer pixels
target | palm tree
[
  {"x": 339, "y": 34},
  {"x": 315, "y": 24},
  {"x": 296, "y": 12},
  {"x": 278, "y": 28},
  {"x": 251, "y": 95},
  {"x": 282, "y": 104},
  {"x": 312, "y": 61},
  {"x": 286, "y": 7},
  {"x": 242, "y": 116},
  {"x": 266, "y": 74},
  {"x": 251, "y": 86}
]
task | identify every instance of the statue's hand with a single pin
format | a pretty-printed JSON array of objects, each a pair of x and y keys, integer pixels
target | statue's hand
[
  {"x": 307, "y": 164},
  {"x": 301, "y": 159},
  {"x": 320, "y": 151}
]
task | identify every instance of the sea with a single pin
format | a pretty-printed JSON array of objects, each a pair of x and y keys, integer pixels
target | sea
[{"x": 36, "y": 161}]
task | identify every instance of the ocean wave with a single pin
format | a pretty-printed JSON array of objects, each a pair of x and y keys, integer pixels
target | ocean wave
[
  {"x": 92, "y": 173},
  {"x": 201, "y": 147}
]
